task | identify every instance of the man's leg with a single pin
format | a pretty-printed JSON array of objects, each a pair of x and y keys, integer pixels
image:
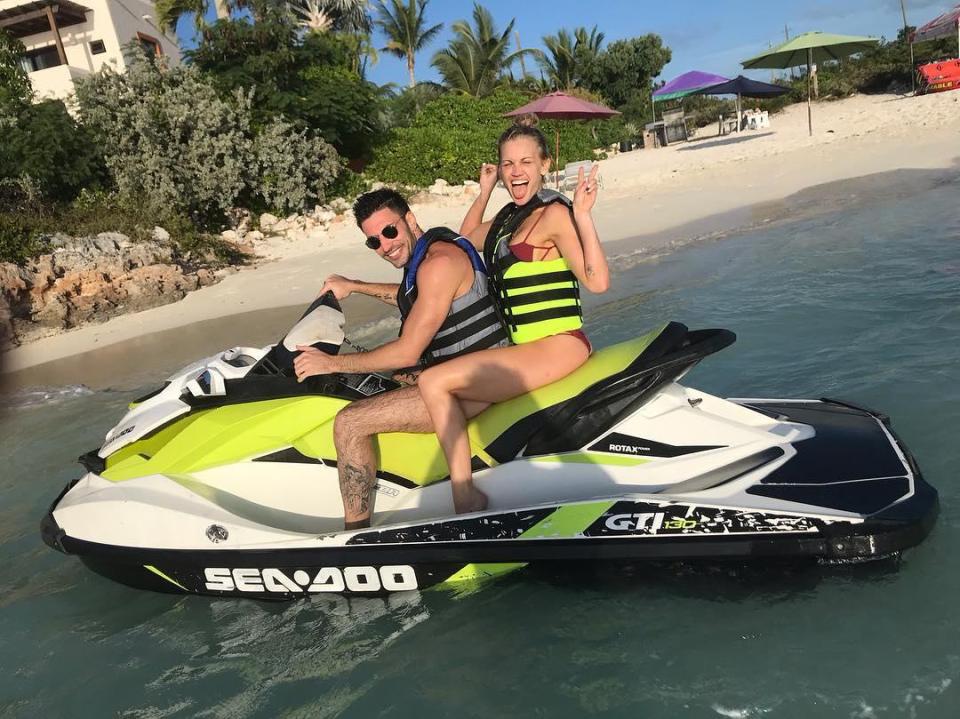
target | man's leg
[{"x": 401, "y": 410}]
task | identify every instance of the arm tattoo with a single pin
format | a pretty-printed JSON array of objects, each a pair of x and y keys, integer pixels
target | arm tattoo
[
  {"x": 388, "y": 298},
  {"x": 356, "y": 484},
  {"x": 590, "y": 271}
]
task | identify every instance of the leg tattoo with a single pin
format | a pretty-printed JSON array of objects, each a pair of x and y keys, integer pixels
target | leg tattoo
[{"x": 356, "y": 486}]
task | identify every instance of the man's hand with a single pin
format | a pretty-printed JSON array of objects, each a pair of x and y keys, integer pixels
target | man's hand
[
  {"x": 585, "y": 196},
  {"x": 312, "y": 361},
  {"x": 488, "y": 177},
  {"x": 341, "y": 287}
]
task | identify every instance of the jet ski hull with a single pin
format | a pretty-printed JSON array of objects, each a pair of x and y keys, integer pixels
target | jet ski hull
[{"x": 224, "y": 483}]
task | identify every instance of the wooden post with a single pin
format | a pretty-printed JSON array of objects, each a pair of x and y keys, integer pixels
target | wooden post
[
  {"x": 56, "y": 35},
  {"x": 809, "y": 82}
]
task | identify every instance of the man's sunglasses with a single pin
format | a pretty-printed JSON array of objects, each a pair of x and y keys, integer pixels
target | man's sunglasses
[{"x": 389, "y": 231}]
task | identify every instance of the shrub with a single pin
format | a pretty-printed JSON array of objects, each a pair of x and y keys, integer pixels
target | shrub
[
  {"x": 294, "y": 166},
  {"x": 175, "y": 146},
  {"x": 44, "y": 142},
  {"x": 26, "y": 222},
  {"x": 454, "y": 134},
  {"x": 311, "y": 79},
  {"x": 169, "y": 139}
]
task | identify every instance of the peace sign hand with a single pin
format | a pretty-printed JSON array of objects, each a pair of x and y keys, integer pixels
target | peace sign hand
[{"x": 585, "y": 195}]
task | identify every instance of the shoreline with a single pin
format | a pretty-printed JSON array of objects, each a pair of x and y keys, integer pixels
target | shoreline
[
  {"x": 157, "y": 354},
  {"x": 654, "y": 201}
]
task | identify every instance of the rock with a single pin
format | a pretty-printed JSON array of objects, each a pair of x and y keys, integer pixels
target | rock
[
  {"x": 439, "y": 187},
  {"x": 267, "y": 221},
  {"x": 230, "y": 236},
  {"x": 325, "y": 216},
  {"x": 90, "y": 280},
  {"x": 339, "y": 205},
  {"x": 160, "y": 235},
  {"x": 254, "y": 236}
]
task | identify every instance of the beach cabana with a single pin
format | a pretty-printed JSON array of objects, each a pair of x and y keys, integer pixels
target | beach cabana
[
  {"x": 687, "y": 84},
  {"x": 561, "y": 106},
  {"x": 743, "y": 87},
  {"x": 806, "y": 49}
]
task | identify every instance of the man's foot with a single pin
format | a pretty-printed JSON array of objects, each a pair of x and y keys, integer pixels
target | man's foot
[{"x": 467, "y": 498}]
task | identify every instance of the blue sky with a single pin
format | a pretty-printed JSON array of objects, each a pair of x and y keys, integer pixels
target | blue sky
[{"x": 711, "y": 36}]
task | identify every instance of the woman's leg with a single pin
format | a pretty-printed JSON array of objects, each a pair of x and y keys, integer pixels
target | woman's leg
[{"x": 489, "y": 376}]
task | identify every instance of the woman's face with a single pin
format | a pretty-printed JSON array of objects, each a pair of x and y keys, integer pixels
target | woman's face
[{"x": 522, "y": 168}]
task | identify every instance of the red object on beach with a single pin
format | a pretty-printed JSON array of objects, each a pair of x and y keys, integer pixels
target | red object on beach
[{"x": 939, "y": 76}]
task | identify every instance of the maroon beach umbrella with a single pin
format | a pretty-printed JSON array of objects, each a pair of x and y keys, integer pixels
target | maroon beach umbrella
[{"x": 561, "y": 106}]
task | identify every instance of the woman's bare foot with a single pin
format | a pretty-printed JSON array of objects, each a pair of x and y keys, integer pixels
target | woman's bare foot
[{"x": 467, "y": 498}]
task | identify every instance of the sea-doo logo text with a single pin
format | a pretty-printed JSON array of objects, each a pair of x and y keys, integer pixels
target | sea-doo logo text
[
  {"x": 628, "y": 448},
  {"x": 392, "y": 578}
]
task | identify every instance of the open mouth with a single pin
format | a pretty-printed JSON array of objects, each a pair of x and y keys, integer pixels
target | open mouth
[{"x": 519, "y": 187}]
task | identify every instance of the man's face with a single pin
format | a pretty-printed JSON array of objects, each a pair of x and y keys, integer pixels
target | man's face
[{"x": 396, "y": 251}]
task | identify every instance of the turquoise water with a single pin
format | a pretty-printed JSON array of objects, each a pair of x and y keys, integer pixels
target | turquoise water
[{"x": 862, "y": 304}]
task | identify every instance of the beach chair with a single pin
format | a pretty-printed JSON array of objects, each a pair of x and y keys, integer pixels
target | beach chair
[{"x": 571, "y": 173}]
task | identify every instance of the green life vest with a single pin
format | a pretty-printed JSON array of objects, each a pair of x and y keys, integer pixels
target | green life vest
[{"x": 536, "y": 299}]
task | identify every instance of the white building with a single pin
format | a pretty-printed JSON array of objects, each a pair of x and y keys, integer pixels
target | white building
[{"x": 66, "y": 39}]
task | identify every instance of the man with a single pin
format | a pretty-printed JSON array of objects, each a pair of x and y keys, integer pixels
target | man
[{"x": 445, "y": 312}]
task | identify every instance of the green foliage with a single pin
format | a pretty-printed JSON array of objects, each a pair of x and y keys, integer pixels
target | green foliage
[
  {"x": 15, "y": 90},
  {"x": 44, "y": 142},
  {"x": 883, "y": 68},
  {"x": 401, "y": 109},
  {"x": 568, "y": 56},
  {"x": 623, "y": 73},
  {"x": 454, "y": 134},
  {"x": 172, "y": 144},
  {"x": 26, "y": 221},
  {"x": 293, "y": 166},
  {"x": 313, "y": 81},
  {"x": 324, "y": 15},
  {"x": 475, "y": 61},
  {"x": 169, "y": 139}
]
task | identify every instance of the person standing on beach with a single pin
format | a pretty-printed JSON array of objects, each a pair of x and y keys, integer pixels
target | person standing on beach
[{"x": 446, "y": 312}]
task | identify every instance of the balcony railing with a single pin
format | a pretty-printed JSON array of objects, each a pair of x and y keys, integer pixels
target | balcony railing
[{"x": 55, "y": 82}]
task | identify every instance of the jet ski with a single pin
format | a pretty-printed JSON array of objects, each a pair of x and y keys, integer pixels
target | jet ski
[{"x": 224, "y": 480}]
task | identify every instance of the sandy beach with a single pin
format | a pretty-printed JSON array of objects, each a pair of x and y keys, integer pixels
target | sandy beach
[{"x": 651, "y": 200}]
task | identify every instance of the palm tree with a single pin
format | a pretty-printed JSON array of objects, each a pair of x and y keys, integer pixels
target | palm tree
[
  {"x": 476, "y": 58},
  {"x": 405, "y": 28},
  {"x": 325, "y": 15},
  {"x": 559, "y": 63},
  {"x": 567, "y": 56},
  {"x": 169, "y": 12}
]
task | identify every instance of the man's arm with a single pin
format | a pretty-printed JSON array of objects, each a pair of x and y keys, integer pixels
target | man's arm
[
  {"x": 344, "y": 287},
  {"x": 438, "y": 280}
]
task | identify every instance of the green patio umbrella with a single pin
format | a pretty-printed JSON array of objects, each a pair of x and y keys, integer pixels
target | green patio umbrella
[{"x": 806, "y": 49}]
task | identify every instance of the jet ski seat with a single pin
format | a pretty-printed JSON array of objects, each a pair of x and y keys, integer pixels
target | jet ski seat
[
  {"x": 557, "y": 418},
  {"x": 554, "y": 418}
]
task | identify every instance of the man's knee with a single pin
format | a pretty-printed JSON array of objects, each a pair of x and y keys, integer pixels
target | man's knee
[{"x": 349, "y": 423}]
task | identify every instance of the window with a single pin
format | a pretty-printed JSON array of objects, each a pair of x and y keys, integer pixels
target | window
[
  {"x": 97, "y": 47},
  {"x": 40, "y": 58},
  {"x": 150, "y": 44}
]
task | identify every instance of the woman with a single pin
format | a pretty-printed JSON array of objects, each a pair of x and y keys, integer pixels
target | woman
[{"x": 539, "y": 249}]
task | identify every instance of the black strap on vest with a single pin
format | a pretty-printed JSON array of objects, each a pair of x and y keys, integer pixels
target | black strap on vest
[{"x": 506, "y": 222}]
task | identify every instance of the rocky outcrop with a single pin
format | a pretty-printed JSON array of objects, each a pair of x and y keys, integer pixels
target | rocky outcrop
[{"x": 91, "y": 279}]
